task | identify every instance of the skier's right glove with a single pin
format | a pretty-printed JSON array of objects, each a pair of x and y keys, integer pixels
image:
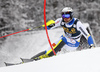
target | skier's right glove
[
  {"x": 50, "y": 26},
  {"x": 91, "y": 46}
]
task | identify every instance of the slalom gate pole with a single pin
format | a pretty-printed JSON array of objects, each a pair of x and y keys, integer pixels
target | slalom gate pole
[{"x": 46, "y": 27}]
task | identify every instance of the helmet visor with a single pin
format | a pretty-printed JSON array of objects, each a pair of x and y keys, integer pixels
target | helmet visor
[{"x": 66, "y": 15}]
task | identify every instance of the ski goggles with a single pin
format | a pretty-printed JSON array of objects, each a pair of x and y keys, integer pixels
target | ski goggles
[{"x": 66, "y": 15}]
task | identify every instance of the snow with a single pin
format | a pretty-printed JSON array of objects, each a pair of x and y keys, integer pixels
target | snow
[{"x": 79, "y": 61}]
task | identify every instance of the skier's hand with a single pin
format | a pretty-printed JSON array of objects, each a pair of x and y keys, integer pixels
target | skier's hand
[
  {"x": 51, "y": 25},
  {"x": 91, "y": 46}
]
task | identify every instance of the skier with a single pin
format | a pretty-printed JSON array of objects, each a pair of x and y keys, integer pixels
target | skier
[{"x": 73, "y": 30}]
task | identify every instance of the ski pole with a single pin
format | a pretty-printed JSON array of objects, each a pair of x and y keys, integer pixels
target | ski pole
[{"x": 47, "y": 24}]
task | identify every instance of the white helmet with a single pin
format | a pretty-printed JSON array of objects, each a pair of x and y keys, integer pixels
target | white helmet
[{"x": 67, "y": 9}]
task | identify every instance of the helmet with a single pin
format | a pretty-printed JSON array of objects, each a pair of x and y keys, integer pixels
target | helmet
[{"x": 67, "y": 11}]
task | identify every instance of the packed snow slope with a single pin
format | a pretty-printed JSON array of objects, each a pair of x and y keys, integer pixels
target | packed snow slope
[{"x": 79, "y": 61}]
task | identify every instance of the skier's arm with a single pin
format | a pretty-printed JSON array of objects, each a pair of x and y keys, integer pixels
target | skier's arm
[
  {"x": 57, "y": 24},
  {"x": 85, "y": 33}
]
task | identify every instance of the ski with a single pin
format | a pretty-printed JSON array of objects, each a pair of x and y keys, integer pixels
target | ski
[
  {"x": 26, "y": 60},
  {"x": 11, "y": 64},
  {"x": 23, "y": 61}
]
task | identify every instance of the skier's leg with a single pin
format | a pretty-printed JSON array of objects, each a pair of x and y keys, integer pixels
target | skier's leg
[
  {"x": 71, "y": 44},
  {"x": 41, "y": 53},
  {"x": 56, "y": 46}
]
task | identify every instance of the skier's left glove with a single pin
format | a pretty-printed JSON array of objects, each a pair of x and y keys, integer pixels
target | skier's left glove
[{"x": 91, "y": 46}]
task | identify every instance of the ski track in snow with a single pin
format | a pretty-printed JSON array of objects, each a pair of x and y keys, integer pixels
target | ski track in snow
[{"x": 26, "y": 45}]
